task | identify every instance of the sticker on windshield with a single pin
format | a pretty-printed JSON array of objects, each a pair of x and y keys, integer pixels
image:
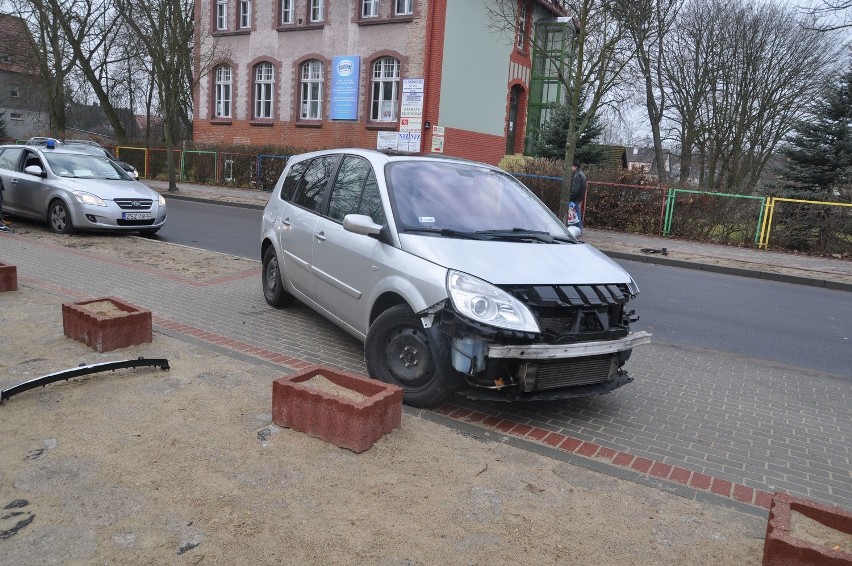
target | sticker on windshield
[{"x": 426, "y": 219}]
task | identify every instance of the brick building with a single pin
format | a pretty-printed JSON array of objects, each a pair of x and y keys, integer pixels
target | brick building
[
  {"x": 23, "y": 108},
  {"x": 420, "y": 75}
]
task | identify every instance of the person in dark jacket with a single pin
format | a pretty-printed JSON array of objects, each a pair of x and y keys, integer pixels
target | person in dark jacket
[{"x": 578, "y": 190}]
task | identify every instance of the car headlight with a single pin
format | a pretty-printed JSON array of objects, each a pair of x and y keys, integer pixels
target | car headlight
[
  {"x": 485, "y": 303},
  {"x": 161, "y": 201},
  {"x": 88, "y": 198}
]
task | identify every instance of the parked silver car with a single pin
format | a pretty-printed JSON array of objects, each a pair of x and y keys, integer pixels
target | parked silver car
[
  {"x": 75, "y": 190},
  {"x": 453, "y": 273}
]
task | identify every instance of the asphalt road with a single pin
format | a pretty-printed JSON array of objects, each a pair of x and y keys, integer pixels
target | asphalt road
[
  {"x": 792, "y": 324},
  {"x": 216, "y": 227}
]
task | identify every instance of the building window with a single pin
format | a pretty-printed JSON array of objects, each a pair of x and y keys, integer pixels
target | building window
[
  {"x": 245, "y": 13},
  {"x": 16, "y": 116},
  {"x": 369, "y": 8},
  {"x": 286, "y": 11},
  {"x": 311, "y": 101},
  {"x": 264, "y": 80},
  {"x": 223, "y": 92},
  {"x": 385, "y": 96},
  {"x": 522, "y": 24},
  {"x": 317, "y": 11},
  {"x": 221, "y": 15},
  {"x": 404, "y": 7},
  {"x": 14, "y": 92}
]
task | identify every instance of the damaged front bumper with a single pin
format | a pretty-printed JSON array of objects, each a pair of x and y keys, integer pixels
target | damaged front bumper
[{"x": 576, "y": 350}]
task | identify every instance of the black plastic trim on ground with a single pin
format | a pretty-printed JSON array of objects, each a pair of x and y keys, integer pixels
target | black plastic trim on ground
[{"x": 82, "y": 370}]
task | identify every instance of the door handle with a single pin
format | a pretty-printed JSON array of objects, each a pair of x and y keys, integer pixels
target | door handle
[
  {"x": 285, "y": 222},
  {"x": 319, "y": 236}
]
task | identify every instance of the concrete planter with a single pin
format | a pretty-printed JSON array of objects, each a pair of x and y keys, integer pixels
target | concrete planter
[
  {"x": 790, "y": 545},
  {"x": 8, "y": 277},
  {"x": 346, "y": 410},
  {"x": 107, "y": 324}
]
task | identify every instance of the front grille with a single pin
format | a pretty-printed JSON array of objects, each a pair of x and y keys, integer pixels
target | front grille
[
  {"x": 575, "y": 312},
  {"x": 553, "y": 374},
  {"x": 134, "y": 203}
]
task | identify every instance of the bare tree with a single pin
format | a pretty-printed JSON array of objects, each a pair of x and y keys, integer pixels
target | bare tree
[
  {"x": 648, "y": 22},
  {"x": 828, "y": 15},
  {"x": 739, "y": 74},
  {"x": 92, "y": 32},
  {"x": 165, "y": 28},
  {"x": 590, "y": 69},
  {"x": 51, "y": 55}
]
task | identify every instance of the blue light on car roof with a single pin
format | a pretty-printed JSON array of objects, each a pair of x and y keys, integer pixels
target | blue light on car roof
[{"x": 51, "y": 144}]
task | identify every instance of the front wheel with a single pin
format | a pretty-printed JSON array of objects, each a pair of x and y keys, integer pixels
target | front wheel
[
  {"x": 400, "y": 351},
  {"x": 273, "y": 284},
  {"x": 59, "y": 218}
]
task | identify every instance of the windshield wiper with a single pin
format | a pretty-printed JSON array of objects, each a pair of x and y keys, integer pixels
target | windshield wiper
[
  {"x": 446, "y": 232},
  {"x": 521, "y": 234}
]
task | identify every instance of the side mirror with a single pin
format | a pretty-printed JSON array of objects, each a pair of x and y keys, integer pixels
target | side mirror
[
  {"x": 575, "y": 231},
  {"x": 35, "y": 170},
  {"x": 361, "y": 224}
]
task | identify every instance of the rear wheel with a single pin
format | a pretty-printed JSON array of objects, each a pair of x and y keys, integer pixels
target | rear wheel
[
  {"x": 59, "y": 218},
  {"x": 273, "y": 284},
  {"x": 400, "y": 351}
]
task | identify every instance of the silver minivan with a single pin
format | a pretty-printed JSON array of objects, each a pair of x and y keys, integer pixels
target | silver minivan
[{"x": 453, "y": 273}]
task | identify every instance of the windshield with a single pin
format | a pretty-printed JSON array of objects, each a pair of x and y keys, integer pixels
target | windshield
[
  {"x": 445, "y": 197},
  {"x": 84, "y": 166}
]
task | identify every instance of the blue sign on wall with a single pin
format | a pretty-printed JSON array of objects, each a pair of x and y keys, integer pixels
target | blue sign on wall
[{"x": 345, "y": 73}]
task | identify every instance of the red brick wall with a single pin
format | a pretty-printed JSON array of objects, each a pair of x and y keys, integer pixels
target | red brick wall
[
  {"x": 471, "y": 145},
  {"x": 336, "y": 134}
]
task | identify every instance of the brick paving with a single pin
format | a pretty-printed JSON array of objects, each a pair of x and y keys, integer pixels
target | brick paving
[{"x": 728, "y": 425}]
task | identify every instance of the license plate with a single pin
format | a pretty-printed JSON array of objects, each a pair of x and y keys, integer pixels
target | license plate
[{"x": 137, "y": 216}]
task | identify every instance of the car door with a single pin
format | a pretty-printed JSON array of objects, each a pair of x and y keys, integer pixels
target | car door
[
  {"x": 30, "y": 191},
  {"x": 12, "y": 195},
  {"x": 342, "y": 260},
  {"x": 297, "y": 220}
]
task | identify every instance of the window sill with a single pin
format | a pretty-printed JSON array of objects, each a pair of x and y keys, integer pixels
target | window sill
[
  {"x": 309, "y": 123},
  {"x": 382, "y": 125},
  {"x": 300, "y": 27},
  {"x": 220, "y": 121},
  {"x": 262, "y": 122},
  {"x": 225, "y": 33},
  {"x": 408, "y": 18}
]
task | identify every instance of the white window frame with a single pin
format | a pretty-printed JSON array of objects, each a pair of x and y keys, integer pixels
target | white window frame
[
  {"x": 221, "y": 15},
  {"x": 16, "y": 116},
  {"x": 384, "y": 91},
  {"x": 222, "y": 108},
  {"x": 14, "y": 92},
  {"x": 369, "y": 8},
  {"x": 310, "y": 99},
  {"x": 317, "y": 10},
  {"x": 245, "y": 14},
  {"x": 404, "y": 7},
  {"x": 264, "y": 87},
  {"x": 522, "y": 24},
  {"x": 287, "y": 11}
]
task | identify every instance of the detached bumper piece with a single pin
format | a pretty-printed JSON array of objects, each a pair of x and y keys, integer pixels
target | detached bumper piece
[
  {"x": 67, "y": 374},
  {"x": 513, "y": 394}
]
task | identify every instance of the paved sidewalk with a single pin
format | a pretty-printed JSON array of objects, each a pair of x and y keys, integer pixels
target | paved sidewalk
[{"x": 747, "y": 262}]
